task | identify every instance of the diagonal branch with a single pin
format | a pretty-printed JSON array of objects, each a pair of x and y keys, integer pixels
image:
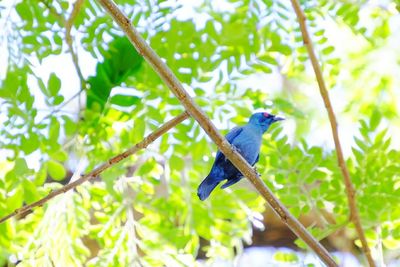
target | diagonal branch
[
  {"x": 194, "y": 110},
  {"x": 351, "y": 194},
  {"x": 94, "y": 173}
]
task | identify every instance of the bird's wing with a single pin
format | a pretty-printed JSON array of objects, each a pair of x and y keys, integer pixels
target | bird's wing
[
  {"x": 229, "y": 137},
  {"x": 233, "y": 134}
]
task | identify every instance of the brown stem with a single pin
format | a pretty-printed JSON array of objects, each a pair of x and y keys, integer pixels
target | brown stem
[
  {"x": 53, "y": 11},
  {"x": 94, "y": 173},
  {"x": 68, "y": 38},
  {"x": 194, "y": 110},
  {"x": 351, "y": 194}
]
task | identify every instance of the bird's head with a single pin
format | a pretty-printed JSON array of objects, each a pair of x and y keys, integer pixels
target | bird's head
[{"x": 263, "y": 120}]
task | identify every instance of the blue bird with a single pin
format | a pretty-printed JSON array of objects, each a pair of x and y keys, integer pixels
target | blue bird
[{"x": 247, "y": 141}]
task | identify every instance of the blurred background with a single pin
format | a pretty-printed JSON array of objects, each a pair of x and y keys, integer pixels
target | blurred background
[{"x": 74, "y": 92}]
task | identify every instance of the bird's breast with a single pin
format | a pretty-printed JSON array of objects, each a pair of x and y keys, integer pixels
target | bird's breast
[{"x": 248, "y": 145}]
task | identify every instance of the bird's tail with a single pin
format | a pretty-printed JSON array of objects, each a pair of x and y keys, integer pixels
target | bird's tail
[{"x": 206, "y": 187}]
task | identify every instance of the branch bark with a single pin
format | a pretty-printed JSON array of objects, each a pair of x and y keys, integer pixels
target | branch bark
[
  {"x": 194, "y": 110},
  {"x": 350, "y": 191},
  {"x": 94, "y": 173}
]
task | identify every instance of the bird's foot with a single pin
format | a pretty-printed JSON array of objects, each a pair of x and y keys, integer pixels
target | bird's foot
[
  {"x": 256, "y": 170},
  {"x": 235, "y": 149}
]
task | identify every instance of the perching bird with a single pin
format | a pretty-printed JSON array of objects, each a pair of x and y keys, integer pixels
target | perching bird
[{"x": 247, "y": 141}]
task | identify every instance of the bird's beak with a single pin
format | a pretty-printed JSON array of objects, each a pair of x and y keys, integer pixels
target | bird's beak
[{"x": 278, "y": 119}]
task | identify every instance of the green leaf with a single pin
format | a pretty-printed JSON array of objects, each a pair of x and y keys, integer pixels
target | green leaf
[
  {"x": 120, "y": 62},
  {"x": 206, "y": 77},
  {"x": 54, "y": 130},
  {"x": 24, "y": 11},
  {"x": 59, "y": 155},
  {"x": 30, "y": 192},
  {"x": 56, "y": 170},
  {"x": 262, "y": 68},
  {"x": 286, "y": 257},
  {"x": 69, "y": 125},
  {"x": 176, "y": 163},
  {"x": 328, "y": 50},
  {"x": 137, "y": 133},
  {"x": 375, "y": 120},
  {"x": 146, "y": 167},
  {"x": 319, "y": 32},
  {"x": 380, "y": 136},
  {"x": 30, "y": 144},
  {"x": 15, "y": 199},
  {"x": 268, "y": 59},
  {"x": 358, "y": 154},
  {"x": 43, "y": 87},
  {"x": 124, "y": 100},
  {"x": 20, "y": 168},
  {"x": 360, "y": 143},
  {"x": 57, "y": 100},
  {"x": 54, "y": 84},
  {"x": 164, "y": 145},
  {"x": 281, "y": 48},
  {"x": 57, "y": 39},
  {"x": 41, "y": 175},
  {"x": 14, "y": 110}
]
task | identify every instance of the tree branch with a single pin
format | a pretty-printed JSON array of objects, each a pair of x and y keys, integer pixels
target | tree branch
[
  {"x": 194, "y": 110},
  {"x": 351, "y": 194},
  {"x": 68, "y": 38},
  {"x": 94, "y": 173}
]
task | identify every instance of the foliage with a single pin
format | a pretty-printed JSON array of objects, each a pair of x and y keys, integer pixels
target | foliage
[{"x": 144, "y": 212}]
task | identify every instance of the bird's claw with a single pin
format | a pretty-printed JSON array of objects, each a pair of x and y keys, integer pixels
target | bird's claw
[
  {"x": 255, "y": 169},
  {"x": 235, "y": 149}
]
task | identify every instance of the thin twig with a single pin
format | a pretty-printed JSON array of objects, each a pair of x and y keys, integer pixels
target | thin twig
[
  {"x": 5, "y": 19},
  {"x": 194, "y": 110},
  {"x": 68, "y": 38},
  {"x": 94, "y": 173},
  {"x": 60, "y": 107},
  {"x": 351, "y": 194},
  {"x": 53, "y": 11}
]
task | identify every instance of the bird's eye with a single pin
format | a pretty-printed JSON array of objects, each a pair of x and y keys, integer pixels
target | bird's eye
[{"x": 266, "y": 114}]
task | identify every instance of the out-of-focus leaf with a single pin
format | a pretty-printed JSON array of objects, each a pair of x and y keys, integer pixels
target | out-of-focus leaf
[
  {"x": 30, "y": 144},
  {"x": 375, "y": 120},
  {"x": 54, "y": 84},
  {"x": 40, "y": 176},
  {"x": 20, "y": 168},
  {"x": 124, "y": 100},
  {"x": 30, "y": 192},
  {"x": 56, "y": 170}
]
